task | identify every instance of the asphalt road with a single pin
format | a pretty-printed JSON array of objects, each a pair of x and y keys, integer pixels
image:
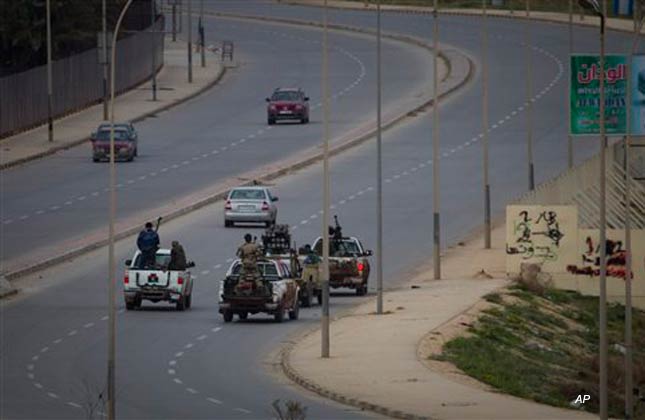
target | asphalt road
[
  {"x": 191, "y": 365},
  {"x": 219, "y": 135}
]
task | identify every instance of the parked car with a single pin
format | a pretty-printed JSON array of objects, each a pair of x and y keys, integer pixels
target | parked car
[
  {"x": 288, "y": 104},
  {"x": 253, "y": 204},
  {"x": 125, "y": 142}
]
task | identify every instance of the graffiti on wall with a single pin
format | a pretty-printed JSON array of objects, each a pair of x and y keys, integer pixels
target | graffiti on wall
[
  {"x": 540, "y": 234},
  {"x": 589, "y": 259}
]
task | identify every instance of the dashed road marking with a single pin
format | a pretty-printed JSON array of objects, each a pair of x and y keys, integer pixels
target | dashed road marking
[
  {"x": 73, "y": 404},
  {"x": 88, "y": 325},
  {"x": 179, "y": 354},
  {"x": 188, "y": 346},
  {"x": 214, "y": 401},
  {"x": 178, "y": 381},
  {"x": 202, "y": 337},
  {"x": 191, "y": 390}
]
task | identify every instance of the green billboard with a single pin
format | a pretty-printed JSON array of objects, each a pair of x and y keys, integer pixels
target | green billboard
[{"x": 584, "y": 98}]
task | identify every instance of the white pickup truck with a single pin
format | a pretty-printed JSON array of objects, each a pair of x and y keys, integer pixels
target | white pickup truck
[{"x": 157, "y": 283}]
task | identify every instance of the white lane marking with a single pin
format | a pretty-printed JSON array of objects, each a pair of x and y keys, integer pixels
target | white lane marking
[
  {"x": 192, "y": 391},
  {"x": 95, "y": 194},
  {"x": 202, "y": 337},
  {"x": 179, "y": 354},
  {"x": 130, "y": 181},
  {"x": 228, "y": 260},
  {"x": 333, "y": 206},
  {"x": 37, "y": 385},
  {"x": 196, "y": 158},
  {"x": 216, "y": 266},
  {"x": 31, "y": 376},
  {"x": 242, "y": 410},
  {"x": 172, "y": 362},
  {"x": 81, "y": 198},
  {"x": 30, "y": 367},
  {"x": 105, "y": 318},
  {"x": 39, "y": 212},
  {"x": 360, "y": 192},
  {"x": 216, "y": 329},
  {"x": 178, "y": 381},
  {"x": 54, "y": 208},
  {"x": 342, "y": 202},
  {"x": 142, "y": 177},
  {"x": 213, "y": 400},
  {"x": 241, "y": 140},
  {"x": 35, "y": 358},
  {"x": 57, "y": 341},
  {"x": 73, "y": 404},
  {"x": 185, "y": 162},
  {"x": 174, "y": 166},
  {"x": 188, "y": 346},
  {"x": 388, "y": 180},
  {"x": 251, "y": 136},
  {"x": 44, "y": 350},
  {"x": 52, "y": 395},
  {"x": 68, "y": 203},
  {"x": 164, "y": 170},
  {"x": 88, "y": 325},
  {"x": 351, "y": 197},
  {"x": 313, "y": 216},
  {"x": 171, "y": 371},
  {"x": 205, "y": 272}
]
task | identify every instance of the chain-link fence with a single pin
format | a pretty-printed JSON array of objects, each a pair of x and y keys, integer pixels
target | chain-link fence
[{"x": 77, "y": 81}]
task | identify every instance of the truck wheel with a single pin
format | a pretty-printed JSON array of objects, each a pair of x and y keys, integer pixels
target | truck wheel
[
  {"x": 319, "y": 297},
  {"x": 129, "y": 305},
  {"x": 228, "y": 316},
  {"x": 243, "y": 315},
  {"x": 295, "y": 312},
  {"x": 189, "y": 300},
  {"x": 361, "y": 290},
  {"x": 228, "y": 223},
  {"x": 279, "y": 316},
  {"x": 271, "y": 121},
  {"x": 306, "y": 298},
  {"x": 181, "y": 303}
]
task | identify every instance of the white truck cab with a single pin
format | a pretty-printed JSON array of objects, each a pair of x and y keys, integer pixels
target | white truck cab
[{"x": 156, "y": 283}]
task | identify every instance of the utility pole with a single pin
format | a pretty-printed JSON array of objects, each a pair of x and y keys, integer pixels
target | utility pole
[
  {"x": 111, "y": 365},
  {"x": 487, "y": 223},
  {"x": 201, "y": 32},
  {"x": 529, "y": 97},
  {"x": 379, "y": 169},
  {"x": 326, "y": 191},
  {"x": 153, "y": 36},
  {"x": 436, "y": 185},
  {"x": 50, "y": 94},
  {"x": 104, "y": 55},
  {"x": 174, "y": 20},
  {"x": 190, "y": 42}
]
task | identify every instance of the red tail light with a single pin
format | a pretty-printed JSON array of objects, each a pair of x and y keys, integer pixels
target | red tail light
[
  {"x": 265, "y": 206},
  {"x": 180, "y": 280},
  {"x": 228, "y": 205},
  {"x": 126, "y": 278},
  {"x": 360, "y": 266}
]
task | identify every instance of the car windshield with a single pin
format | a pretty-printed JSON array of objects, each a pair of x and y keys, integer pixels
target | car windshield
[
  {"x": 342, "y": 248},
  {"x": 286, "y": 96},
  {"x": 266, "y": 269},
  {"x": 249, "y": 194},
  {"x": 161, "y": 261},
  {"x": 104, "y": 135}
]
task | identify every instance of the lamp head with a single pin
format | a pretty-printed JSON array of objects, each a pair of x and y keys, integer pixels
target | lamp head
[{"x": 592, "y": 6}]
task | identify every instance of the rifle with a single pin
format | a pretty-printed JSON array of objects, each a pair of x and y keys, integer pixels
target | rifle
[{"x": 158, "y": 223}]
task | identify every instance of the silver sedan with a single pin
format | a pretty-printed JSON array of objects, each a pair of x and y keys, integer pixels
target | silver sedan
[{"x": 250, "y": 204}]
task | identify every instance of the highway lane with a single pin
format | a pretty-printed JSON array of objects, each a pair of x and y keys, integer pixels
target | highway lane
[
  {"x": 219, "y": 135},
  {"x": 227, "y": 365}
]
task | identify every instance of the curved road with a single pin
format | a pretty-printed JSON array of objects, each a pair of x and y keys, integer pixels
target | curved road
[{"x": 191, "y": 365}]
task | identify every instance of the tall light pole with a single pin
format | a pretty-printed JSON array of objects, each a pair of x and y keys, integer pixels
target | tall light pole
[
  {"x": 629, "y": 355},
  {"x": 436, "y": 185},
  {"x": 529, "y": 98},
  {"x": 111, "y": 365},
  {"x": 190, "y": 42},
  {"x": 50, "y": 93},
  {"x": 487, "y": 224},
  {"x": 153, "y": 36},
  {"x": 569, "y": 136},
  {"x": 201, "y": 32},
  {"x": 326, "y": 192},
  {"x": 379, "y": 169},
  {"x": 104, "y": 55},
  {"x": 600, "y": 10}
]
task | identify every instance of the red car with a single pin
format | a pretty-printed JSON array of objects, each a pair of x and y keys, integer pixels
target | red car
[
  {"x": 125, "y": 142},
  {"x": 288, "y": 104}
]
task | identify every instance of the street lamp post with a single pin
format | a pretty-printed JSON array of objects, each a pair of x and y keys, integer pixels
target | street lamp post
[
  {"x": 111, "y": 365},
  {"x": 153, "y": 36},
  {"x": 600, "y": 10},
  {"x": 201, "y": 33},
  {"x": 379, "y": 169},
  {"x": 436, "y": 185},
  {"x": 104, "y": 56},
  {"x": 629, "y": 378},
  {"x": 326, "y": 192},
  {"x": 50, "y": 94},
  {"x": 529, "y": 98},
  {"x": 487, "y": 223},
  {"x": 569, "y": 136},
  {"x": 190, "y": 42}
]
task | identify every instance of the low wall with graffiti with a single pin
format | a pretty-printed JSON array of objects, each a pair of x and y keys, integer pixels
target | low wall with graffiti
[{"x": 550, "y": 236}]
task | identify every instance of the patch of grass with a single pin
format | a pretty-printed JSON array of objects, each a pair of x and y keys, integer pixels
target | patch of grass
[
  {"x": 545, "y": 348},
  {"x": 493, "y": 298}
]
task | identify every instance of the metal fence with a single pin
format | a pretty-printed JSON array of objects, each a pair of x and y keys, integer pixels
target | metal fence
[{"x": 77, "y": 81}]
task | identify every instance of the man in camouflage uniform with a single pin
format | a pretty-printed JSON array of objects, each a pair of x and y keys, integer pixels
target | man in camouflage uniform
[{"x": 249, "y": 253}]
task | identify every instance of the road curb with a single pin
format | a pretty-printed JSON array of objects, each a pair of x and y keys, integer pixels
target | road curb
[
  {"x": 305, "y": 159},
  {"x": 76, "y": 143},
  {"x": 447, "y": 12},
  {"x": 291, "y": 373},
  {"x": 6, "y": 289}
]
